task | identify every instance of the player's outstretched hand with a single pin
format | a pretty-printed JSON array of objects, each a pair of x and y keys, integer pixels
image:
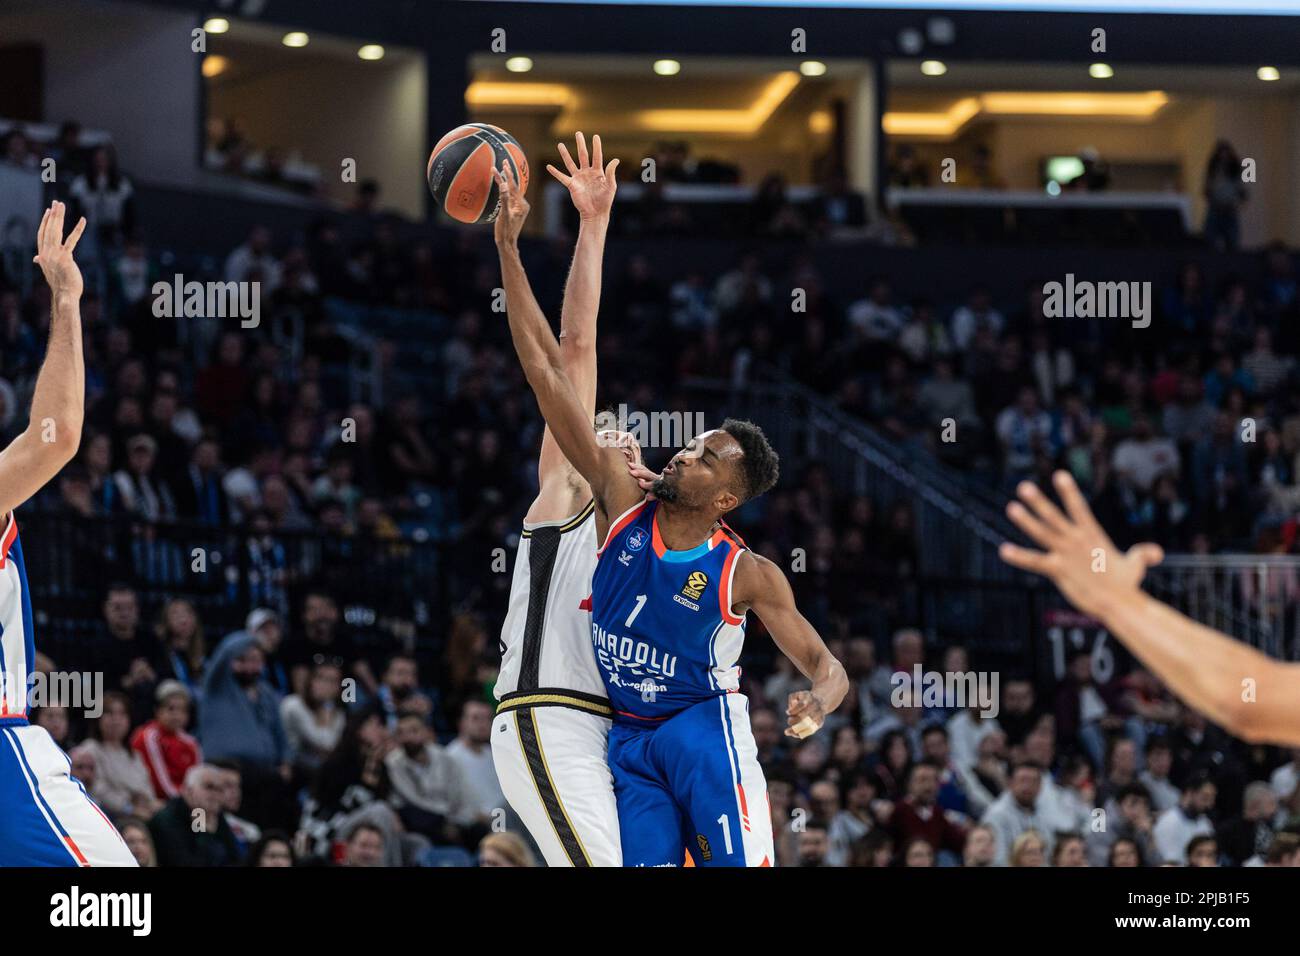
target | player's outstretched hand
[
  {"x": 1077, "y": 556},
  {"x": 590, "y": 181},
  {"x": 514, "y": 207},
  {"x": 54, "y": 256},
  {"x": 805, "y": 714}
]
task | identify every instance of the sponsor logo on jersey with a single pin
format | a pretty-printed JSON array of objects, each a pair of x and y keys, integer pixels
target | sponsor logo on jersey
[
  {"x": 636, "y": 539},
  {"x": 685, "y": 603},
  {"x": 624, "y": 558},
  {"x": 695, "y": 584},
  {"x": 628, "y": 662},
  {"x": 703, "y": 842}
]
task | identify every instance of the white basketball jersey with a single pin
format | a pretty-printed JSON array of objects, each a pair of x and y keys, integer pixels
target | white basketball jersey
[
  {"x": 17, "y": 651},
  {"x": 546, "y": 637}
]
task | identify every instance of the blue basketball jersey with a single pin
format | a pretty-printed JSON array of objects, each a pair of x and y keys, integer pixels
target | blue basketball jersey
[{"x": 662, "y": 626}]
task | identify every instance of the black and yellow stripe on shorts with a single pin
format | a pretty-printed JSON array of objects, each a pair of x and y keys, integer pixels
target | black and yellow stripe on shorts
[
  {"x": 546, "y": 792},
  {"x": 523, "y": 703}
]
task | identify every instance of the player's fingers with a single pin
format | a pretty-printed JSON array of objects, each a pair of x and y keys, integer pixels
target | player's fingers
[
  {"x": 54, "y": 236},
  {"x": 40, "y": 230},
  {"x": 610, "y": 170},
  {"x": 1027, "y": 522},
  {"x": 565, "y": 180},
  {"x": 503, "y": 180},
  {"x": 1149, "y": 554},
  {"x": 569, "y": 164},
  {"x": 1024, "y": 558},
  {"x": 1075, "y": 504},
  {"x": 583, "y": 159},
  {"x": 77, "y": 230},
  {"x": 1043, "y": 507},
  {"x": 804, "y": 727},
  {"x": 597, "y": 157}
]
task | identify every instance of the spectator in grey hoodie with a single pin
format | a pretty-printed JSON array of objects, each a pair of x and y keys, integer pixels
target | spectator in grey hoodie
[{"x": 240, "y": 721}]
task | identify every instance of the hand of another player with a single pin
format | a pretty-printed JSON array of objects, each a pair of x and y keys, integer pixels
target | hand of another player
[
  {"x": 514, "y": 207},
  {"x": 643, "y": 475},
  {"x": 1078, "y": 556},
  {"x": 54, "y": 256},
  {"x": 805, "y": 714},
  {"x": 590, "y": 182}
]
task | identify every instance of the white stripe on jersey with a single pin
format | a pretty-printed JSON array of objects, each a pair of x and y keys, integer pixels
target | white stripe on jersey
[{"x": 567, "y": 660}]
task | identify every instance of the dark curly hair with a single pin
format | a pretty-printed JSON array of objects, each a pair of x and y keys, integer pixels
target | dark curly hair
[{"x": 760, "y": 466}]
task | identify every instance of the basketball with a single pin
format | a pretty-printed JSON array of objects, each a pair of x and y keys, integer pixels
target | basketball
[{"x": 460, "y": 170}]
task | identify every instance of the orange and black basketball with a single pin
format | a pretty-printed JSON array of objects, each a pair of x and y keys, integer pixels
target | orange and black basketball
[{"x": 460, "y": 170}]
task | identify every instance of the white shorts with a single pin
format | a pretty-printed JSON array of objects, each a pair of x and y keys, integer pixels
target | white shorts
[
  {"x": 551, "y": 765},
  {"x": 46, "y": 817}
]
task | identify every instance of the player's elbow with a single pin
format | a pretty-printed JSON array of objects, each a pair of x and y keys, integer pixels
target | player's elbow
[
  {"x": 1245, "y": 720},
  {"x": 1245, "y": 713},
  {"x": 577, "y": 343},
  {"x": 55, "y": 440}
]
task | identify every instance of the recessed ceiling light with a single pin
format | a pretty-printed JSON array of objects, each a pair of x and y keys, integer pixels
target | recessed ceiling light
[
  {"x": 934, "y": 68},
  {"x": 1101, "y": 71},
  {"x": 214, "y": 65},
  {"x": 371, "y": 51},
  {"x": 519, "y": 64},
  {"x": 216, "y": 25},
  {"x": 667, "y": 67},
  {"x": 1268, "y": 73},
  {"x": 812, "y": 68},
  {"x": 295, "y": 39}
]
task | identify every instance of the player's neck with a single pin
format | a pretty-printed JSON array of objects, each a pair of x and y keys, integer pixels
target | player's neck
[{"x": 682, "y": 528}]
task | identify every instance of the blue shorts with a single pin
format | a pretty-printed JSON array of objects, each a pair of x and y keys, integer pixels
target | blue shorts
[
  {"x": 46, "y": 816},
  {"x": 692, "y": 783}
]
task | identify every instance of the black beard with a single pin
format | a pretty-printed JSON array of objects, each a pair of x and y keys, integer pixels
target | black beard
[{"x": 662, "y": 490}]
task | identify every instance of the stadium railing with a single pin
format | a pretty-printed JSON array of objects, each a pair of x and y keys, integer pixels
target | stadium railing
[
  {"x": 392, "y": 592},
  {"x": 962, "y": 588}
]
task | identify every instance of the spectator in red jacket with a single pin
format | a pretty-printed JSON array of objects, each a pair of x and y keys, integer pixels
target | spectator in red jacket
[
  {"x": 167, "y": 750},
  {"x": 918, "y": 815}
]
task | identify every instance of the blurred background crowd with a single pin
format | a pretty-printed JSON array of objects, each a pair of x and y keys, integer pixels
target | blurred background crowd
[{"x": 222, "y": 549}]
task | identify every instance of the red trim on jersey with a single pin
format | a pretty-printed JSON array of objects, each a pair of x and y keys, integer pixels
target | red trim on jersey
[
  {"x": 585, "y": 604},
  {"x": 732, "y": 532},
  {"x": 724, "y": 587},
  {"x": 623, "y": 521},
  {"x": 7, "y": 541},
  {"x": 656, "y": 540},
  {"x": 76, "y": 851}
]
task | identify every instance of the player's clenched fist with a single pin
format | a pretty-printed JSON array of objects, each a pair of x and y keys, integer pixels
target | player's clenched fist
[{"x": 805, "y": 713}]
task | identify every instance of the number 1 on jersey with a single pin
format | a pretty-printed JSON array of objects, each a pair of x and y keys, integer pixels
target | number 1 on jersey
[{"x": 640, "y": 603}]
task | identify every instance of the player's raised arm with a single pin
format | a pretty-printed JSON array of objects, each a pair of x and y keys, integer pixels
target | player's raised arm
[
  {"x": 591, "y": 186},
  {"x": 1247, "y": 693},
  {"x": 53, "y": 430},
  {"x": 760, "y": 585},
  {"x": 569, "y": 421}
]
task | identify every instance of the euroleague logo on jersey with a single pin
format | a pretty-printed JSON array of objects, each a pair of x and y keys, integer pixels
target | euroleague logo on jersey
[
  {"x": 636, "y": 539},
  {"x": 695, "y": 584}
]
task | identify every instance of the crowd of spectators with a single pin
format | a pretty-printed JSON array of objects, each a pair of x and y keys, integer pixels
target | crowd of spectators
[{"x": 327, "y": 725}]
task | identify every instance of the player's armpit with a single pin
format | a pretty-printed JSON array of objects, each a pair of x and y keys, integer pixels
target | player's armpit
[{"x": 760, "y": 585}]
